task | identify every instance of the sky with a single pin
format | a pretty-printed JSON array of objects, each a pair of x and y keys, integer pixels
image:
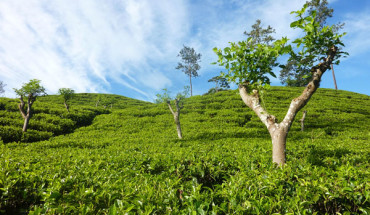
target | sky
[{"x": 130, "y": 47}]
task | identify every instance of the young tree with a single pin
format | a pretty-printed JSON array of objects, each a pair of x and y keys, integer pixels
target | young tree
[
  {"x": 220, "y": 82},
  {"x": 67, "y": 95},
  {"x": 178, "y": 102},
  {"x": 189, "y": 63},
  {"x": 2, "y": 85},
  {"x": 297, "y": 72},
  {"x": 249, "y": 64},
  {"x": 31, "y": 90}
]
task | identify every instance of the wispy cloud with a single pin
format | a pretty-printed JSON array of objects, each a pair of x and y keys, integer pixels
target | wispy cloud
[
  {"x": 357, "y": 27},
  {"x": 83, "y": 44},
  {"x": 130, "y": 47}
]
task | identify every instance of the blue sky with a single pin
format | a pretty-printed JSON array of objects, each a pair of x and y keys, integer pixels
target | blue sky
[{"x": 130, "y": 47}]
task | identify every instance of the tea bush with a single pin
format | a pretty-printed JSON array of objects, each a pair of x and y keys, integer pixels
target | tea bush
[{"x": 129, "y": 161}]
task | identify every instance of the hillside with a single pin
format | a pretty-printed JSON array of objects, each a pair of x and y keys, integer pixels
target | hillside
[{"x": 126, "y": 158}]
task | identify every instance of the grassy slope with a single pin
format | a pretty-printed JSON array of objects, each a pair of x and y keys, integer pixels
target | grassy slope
[{"x": 131, "y": 159}]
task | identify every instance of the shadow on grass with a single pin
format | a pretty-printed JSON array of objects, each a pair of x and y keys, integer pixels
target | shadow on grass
[{"x": 319, "y": 156}]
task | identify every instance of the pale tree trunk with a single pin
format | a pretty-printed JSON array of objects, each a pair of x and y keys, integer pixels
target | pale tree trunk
[
  {"x": 279, "y": 131},
  {"x": 67, "y": 106},
  {"x": 25, "y": 124},
  {"x": 26, "y": 116},
  {"x": 335, "y": 81},
  {"x": 191, "y": 86},
  {"x": 176, "y": 116},
  {"x": 302, "y": 120}
]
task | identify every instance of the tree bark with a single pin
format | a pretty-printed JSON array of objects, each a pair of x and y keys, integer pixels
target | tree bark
[
  {"x": 279, "y": 137},
  {"x": 176, "y": 116},
  {"x": 26, "y": 115},
  {"x": 335, "y": 81},
  {"x": 302, "y": 120},
  {"x": 67, "y": 106},
  {"x": 191, "y": 86},
  {"x": 25, "y": 124},
  {"x": 279, "y": 131}
]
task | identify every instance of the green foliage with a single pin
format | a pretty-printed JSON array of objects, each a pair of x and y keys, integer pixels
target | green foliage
[
  {"x": 291, "y": 74},
  {"x": 131, "y": 161},
  {"x": 32, "y": 88},
  {"x": 166, "y": 97},
  {"x": 189, "y": 61},
  {"x": 66, "y": 93},
  {"x": 220, "y": 82},
  {"x": 315, "y": 43},
  {"x": 49, "y": 119},
  {"x": 250, "y": 62},
  {"x": 260, "y": 35}
]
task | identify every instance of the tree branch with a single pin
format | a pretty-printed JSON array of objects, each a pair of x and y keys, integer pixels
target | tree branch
[
  {"x": 253, "y": 102},
  {"x": 169, "y": 106},
  {"x": 298, "y": 103},
  {"x": 21, "y": 107}
]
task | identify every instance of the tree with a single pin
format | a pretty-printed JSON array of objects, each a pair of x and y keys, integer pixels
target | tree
[
  {"x": 220, "y": 82},
  {"x": 297, "y": 72},
  {"x": 189, "y": 63},
  {"x": 2, "y": 85},
  {"x": 31, "y": 90},
  {"x": 260, "y": 35},
  {"x": 178, "y": 102},
  {"x": 249, "y": 64},
  {"x": 67, "y": 95}
]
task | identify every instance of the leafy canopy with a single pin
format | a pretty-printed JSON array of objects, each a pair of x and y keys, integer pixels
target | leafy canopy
[
  {"x": 251, "y": 63},
  {"x": 297, "y": 71},
  {"x": 166, "y": 97},
  {"x": 220, "y": 82},
  {"x": 67, "y": 93},
  {"x": 189, "y": 61},
  {"x": 31, "y": 89}
]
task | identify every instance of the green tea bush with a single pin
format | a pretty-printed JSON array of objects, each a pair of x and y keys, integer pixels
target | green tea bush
[{"x": 129, "y": 160}]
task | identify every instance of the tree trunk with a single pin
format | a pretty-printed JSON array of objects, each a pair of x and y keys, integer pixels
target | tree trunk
[
  {"x": 279, "y": 131},
  {"x": 67, "y": 106},
  {"x": 302, "y": 120},
  {"x": 178, "y": 126},
  {"x": 176, "y": 116},
  {"x": 26, "y": 121},
  {"x": 279, "y": 137},
  {"x": 335, "y": 82},
  {"x": 191, "y": 86}
]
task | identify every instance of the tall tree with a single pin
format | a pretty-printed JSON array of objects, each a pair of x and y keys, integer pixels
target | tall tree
[
  {"x": 179, "y": 105},
  {"x": 31, "y": 91},
  {"x": 250, "y": 64},
  {"x": 221, "y": 82},
  {"x": 189, "y": 63},
  {"x": 260, "y": 35},
  {"x": 2, "y": 85},
  {"x": 67, "y": 95},
  {"x": 296, "y": 73}
]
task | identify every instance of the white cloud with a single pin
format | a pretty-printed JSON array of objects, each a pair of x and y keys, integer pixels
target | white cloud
[
  {"x": 357, "y": 40},
  {"x": 98, "y": 46},
  {"x": 82, "y": 44}
]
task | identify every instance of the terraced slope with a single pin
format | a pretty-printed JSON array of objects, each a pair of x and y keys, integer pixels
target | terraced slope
[{"x": 130, "y": 160}]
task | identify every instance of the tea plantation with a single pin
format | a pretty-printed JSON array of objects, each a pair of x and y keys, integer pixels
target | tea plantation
[{"x": 126, "y": 159}]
